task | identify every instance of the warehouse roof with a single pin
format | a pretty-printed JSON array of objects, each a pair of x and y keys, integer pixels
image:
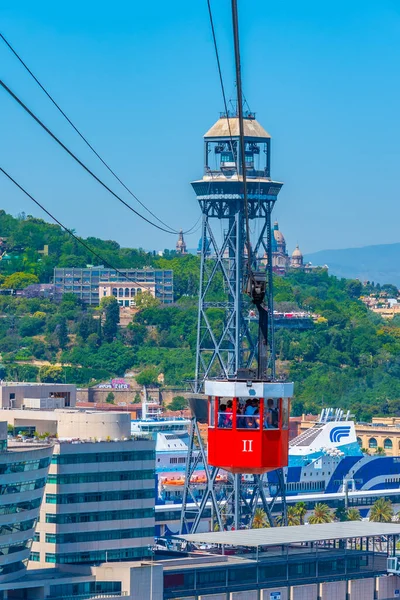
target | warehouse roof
[{"x": 290, "y": 535}]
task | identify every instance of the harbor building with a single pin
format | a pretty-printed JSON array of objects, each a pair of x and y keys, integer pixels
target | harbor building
[
  {"x": 315, "y": 562},
  {"x": 99, "y": 498},
  {"x": 36, "y": 395},
  {"x": 23, "y": 471},
  {"x": 85, "y": 282}
]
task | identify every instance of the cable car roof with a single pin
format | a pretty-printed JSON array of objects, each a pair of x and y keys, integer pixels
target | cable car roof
[{"x": 274, "y": 536}]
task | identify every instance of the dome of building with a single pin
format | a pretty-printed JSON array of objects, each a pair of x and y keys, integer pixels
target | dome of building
[
  {"x": 278, "y": 235},
  {"x": 297, "y": 253}
]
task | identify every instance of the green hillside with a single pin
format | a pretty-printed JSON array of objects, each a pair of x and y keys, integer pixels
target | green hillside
[{"x": 351, "y": 358}]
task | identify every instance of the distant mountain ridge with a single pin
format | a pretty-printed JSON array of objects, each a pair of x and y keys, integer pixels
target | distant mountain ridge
[{"x": 380, "y": 263}]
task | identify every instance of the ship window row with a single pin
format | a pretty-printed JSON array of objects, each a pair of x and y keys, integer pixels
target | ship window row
[
  {"x": 305, "y": 486},
  {"x": 24, "y": 465},
  {"x": 177, "y": 460},
  {"x": 99, "y": 536},
  {"x": 106, "y": 515},
  {"x": 10, "y": 509},
  {"x": 25, "y": 486},
  {"x": 85, "y": 588},
  {"x": 13, "y": 548},
  {"x": 99, "y": 496},
  {"x": 77, "y": 478},
  {"x": 98, "y": 556},
  {"x": 16, "y": 527},
  {"x": 100, "y": 457}
]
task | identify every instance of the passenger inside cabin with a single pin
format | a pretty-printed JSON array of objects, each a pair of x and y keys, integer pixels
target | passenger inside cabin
[
  {"x": 271, "y": 415},
  {"x": 221, "y": 415},
  {"x": 229, "y": 414}
]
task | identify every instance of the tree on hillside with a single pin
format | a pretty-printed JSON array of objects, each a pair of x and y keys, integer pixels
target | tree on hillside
[
  {"x": 178, "y": 403},
  {"x": 62, "y": 333},
  {"x": 146, "y": 300},
  {"x": 51, "y": 374},
  {"x": 110, "y": 398},
  {"x": 148, "y": 377},
  {"x": 19, "y": 281},
  {"x": 354, "y": 288},
  {"x": 110, "y": 308}
]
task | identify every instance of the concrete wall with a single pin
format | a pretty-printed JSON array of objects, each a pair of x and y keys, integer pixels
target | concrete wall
[
  {"x": 386, "y": 586},
  {"x": 305, "y": 592},
  {"x": 333, "y": 590},
  {"x": 362, "y": 589},
  {"x": 266, "y": 594}
]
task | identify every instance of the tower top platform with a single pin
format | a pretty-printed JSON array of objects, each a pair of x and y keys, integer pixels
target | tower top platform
[{"x": 252, "y": 129}]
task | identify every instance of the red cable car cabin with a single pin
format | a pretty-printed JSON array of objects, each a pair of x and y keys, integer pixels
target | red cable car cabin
[{"x": 248, "y": 425}]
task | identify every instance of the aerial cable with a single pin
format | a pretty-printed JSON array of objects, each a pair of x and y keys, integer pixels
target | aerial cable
[
  {"x": 83, "y": 137},
  {"x": 64, "y": 147},
  {"x": 221, "y": 80},
  {"x": 235, "y": 22},
  {"x": 69, "y": 231}
]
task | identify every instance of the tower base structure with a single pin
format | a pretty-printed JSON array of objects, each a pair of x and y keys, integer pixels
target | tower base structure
[{"x": 244, "y": 443}]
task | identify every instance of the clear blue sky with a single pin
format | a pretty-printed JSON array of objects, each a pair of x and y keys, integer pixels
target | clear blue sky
[{"x": 140, "y": 80}]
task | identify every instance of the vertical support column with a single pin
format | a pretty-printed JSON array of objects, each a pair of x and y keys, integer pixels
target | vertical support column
[
  {"x": 270, "y": 292},
  {"x": 237, "y": 480},
  {"x": 198, "y": 378}
]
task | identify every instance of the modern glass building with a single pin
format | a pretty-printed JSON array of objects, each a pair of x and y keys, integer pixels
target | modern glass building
[
  {"x": 23, "y": 474},
  {"x": 85, "y": 282},
  {"x": 99, "y": 498}
]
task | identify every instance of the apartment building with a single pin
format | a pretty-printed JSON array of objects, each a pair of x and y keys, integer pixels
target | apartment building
[
  {"x": 23, "y": 473},
  {"x": 85, "y": 283}
]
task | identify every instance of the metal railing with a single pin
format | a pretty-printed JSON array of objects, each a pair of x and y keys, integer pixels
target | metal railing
[{"x": 90, "y": 596}]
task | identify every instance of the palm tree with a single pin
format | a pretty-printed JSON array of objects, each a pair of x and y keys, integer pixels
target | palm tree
[
  {"x": 321, "y": 514},
  {"x": 381, "y": 511},
  {"x": 341, "y": 513},
  {"x": 380, "y": 451},
  {"x": 353, "y": 514},
  {"x": 260, "y": 519},
  {"x": 292, "y": 517},
  {"x": 301, "y": 510}
]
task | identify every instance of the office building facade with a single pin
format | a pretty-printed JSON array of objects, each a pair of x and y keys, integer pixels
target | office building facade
[
  {"x": 23, "y": 473},
  {"x": 85, "y": 282}
]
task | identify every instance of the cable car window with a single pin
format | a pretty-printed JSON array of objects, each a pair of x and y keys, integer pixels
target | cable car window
[
  {"x": 248, "y": 413},
  {"x": 285, "y": 412},
  {"x": 271, "y": 413},
  {"x": 225, "y": 413},
  {"x": 211, "y": 412}
]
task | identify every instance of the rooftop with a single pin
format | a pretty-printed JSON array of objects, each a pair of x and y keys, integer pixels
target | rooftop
[
  {"x": 290, "y": 535},
  {"x": 252, "y": 128}
]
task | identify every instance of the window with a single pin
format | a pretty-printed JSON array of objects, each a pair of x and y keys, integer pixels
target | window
[
  {"x": 36, "y": 536},
  {"x": 372, "y": 443},
  {"x": 101, "y": 457},
  {"x": 24, "y": 465},
  {"x": 74, "y": 478},
  {"x": 17, "y": 527},
  {"x": 107, "y": 515},
  {"x": 98, "y": 536},
  {"x": 10, "y": 509},
  {"x": 359, "y": 441},
  {"x": 388, "y": 444},
  {"x": 98, "y": 556},
  {"x": 99, "y": 496},
  {"x": 26, "y": 486},
  {"x": 35, "y": 556}
]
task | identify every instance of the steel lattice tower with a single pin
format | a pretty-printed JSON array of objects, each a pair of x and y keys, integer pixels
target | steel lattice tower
[
  {"x": 227, "y": 341},
  {"x": 226, "y": 345}
]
